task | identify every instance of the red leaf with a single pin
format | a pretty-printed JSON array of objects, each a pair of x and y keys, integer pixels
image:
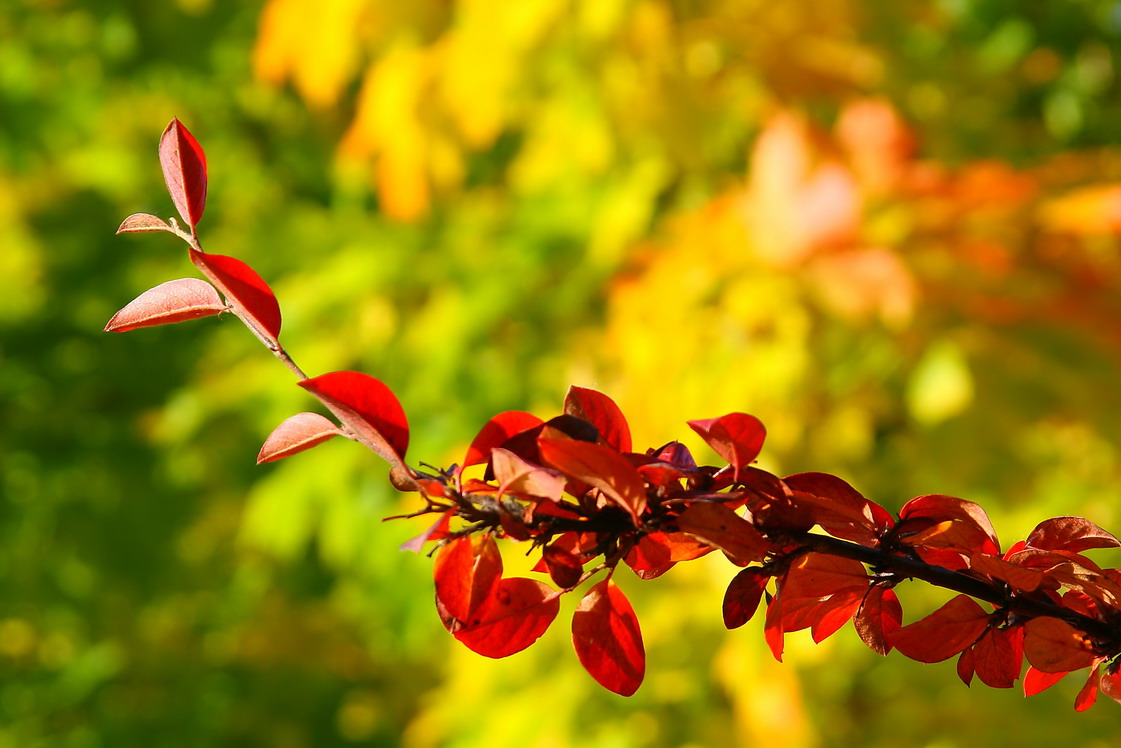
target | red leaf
[
  {"x": 720, "y": 527},
  {"x": 998, "y": 656},
  {"x": 437, "y": 531},
  {"x": 818, "y": 575},
  {"x": 184, "y": 171},
  {"x": 879, "y": 617},
  {"x": 741, "y": 599},
  {"x": 517, "y": 476},
  {"x": 249, "y": 296},
  {"x": 1036, "y": 680},
  {"x": 466, "y": 571},
  {"x": 737, "y": 437},
  {"x": 939, "y": 508},
  {"x": 174, "y": 301},
  {"x": 831, "y": 614},
  {"x": 496, "y": 432},
  {"x": 839, "y": 508},
  {"x": 138, "y": 222},
  {"x": 965, "y": 667},
  {"x": 565, "y": 567},
  {"x": 600, "y": 466},
  {"x": 514, "y": 616},
  {"x": 944, "y": 633},
  {"x": 1089, "y": 693},
  {"x": 601, "y": 411},
  {"x": 1070, "y": 534},
  {"x": 607, "y": 639},
  {"x": 1020, "y": 578},
  {"x": 368, "y": 407},
  {"x": 295, "y": 434},
  {"x": 1054, "y": 646},
  {"x": 1110, "y": 683}
]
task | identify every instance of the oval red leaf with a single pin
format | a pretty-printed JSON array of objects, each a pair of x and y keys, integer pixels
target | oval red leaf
[
  {"x": 737, "y": 437},
  {"x": 296, "y": 434},
  {"x": 607, "y": 639},
  {"x": 496, "y": 432},
  {"x": 466, "y": 572},
  {"x": 1072, "y": 534},
  {"x": 720, "y": 527},
  {"x": 368, "y": 407},
  {"x": 742, "y": 597},
  {"x": 138, "y": 222},
  {"x": 1054, "y": 646},
  {"x": 174, "y": 301},
  {"x": 600, "y": 466},
  {"x": 878, "y": 618},
  {"x": 1036, "y": 680},
  {"x": 514, "y": 616},
  {"x": 601, "y": 411},
  {"x": 944, "y": 633},
  {"x": 250, "y": 297},
  {"x": 184, "y": 171},
  {"x": 998, "y": 656}
]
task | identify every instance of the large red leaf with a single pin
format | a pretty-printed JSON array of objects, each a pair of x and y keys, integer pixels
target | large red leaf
[
  {"x": 1054, "y": 646},
  {"x": 1070, "y": 534},
  {"x": 296, "y": 434},
  {"x": 250, "y": 297},
  {"x": 600, "y": 466},
  {"x": 878, "y": 618},
  {"x": 998, "y": 656},
  {"x": 514, "y": 616},
  {"x": 839, "y": 508},
  {"x": 601, "y": 411},
  {"x": 139, "y": 222},
  {"x": 820, "y": 574},
  {"x": 607, "y": 639},
  {"x": 944, "y": 633},
  {"x": 737, "y": 437},
  {"x": 938, "y": 507},
  {"x": 174, "y": 301},
  {"x": 368, "y": 407},
  {"x": 496, "y": 432},
  {"x": 742, "y": 597},
  {"x": 466, "y": 571},
  {"x": 720, "y": 527},
  {"x": 184, "y": 171},
  {"x": 1019, "y": 577}
]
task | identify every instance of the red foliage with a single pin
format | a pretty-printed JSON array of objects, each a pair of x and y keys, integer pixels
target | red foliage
[{"x": 574, "y": 488}]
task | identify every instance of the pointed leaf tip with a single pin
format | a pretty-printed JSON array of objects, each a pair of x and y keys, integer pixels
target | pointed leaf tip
[
  {"x": 296, "y": 434},
  {"x": 184, "y": 171},
  {"x": 173, "y": 301}
]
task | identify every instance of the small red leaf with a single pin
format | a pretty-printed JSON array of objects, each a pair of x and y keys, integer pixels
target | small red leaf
[
  {"x": 1089, "y": 693},
  {"x": 1054, "y": 646},
  {"x": 174, "y": 301},
  {"x": 607, "y": 639},
  {"x": 437, "y": 531},
  {"x": 496, "y": 432},
  {"x": 565, "y": 567},
  {"x": 742, "y": 597},
  {"x": 184, "y": 171},
  {"x": 998, "y": 656},
  {"x": 1036, "y": 680},
  {"x": 1070, "y": 534},
  {"x": 514, "y": 616},
  {"x": 368, "y": 407},
  {"x": 601, "y": 411},
  {"x": 515, "y": 475},
  {"x": 938, "y": 507},
  {"x": 138, "y": 222},
  {"x": 466, "y": 571},
  {"x": 878, "y": 618},
  {"x": 944, "y": 633},
  {"x": 737, "y": 437},
  {"x": 600, "y": 466},
  {"x": 249, "y": 296},
  {"x": 720, "y": 527},
  {"x": 297, "y": 433}
]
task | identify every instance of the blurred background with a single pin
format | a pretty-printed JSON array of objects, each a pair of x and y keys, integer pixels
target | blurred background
[{"x": 890, "y": 230}]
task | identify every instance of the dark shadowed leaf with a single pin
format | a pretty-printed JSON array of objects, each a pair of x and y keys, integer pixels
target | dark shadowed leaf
[
  {"x": 839, "y": 508},
  {"x": 466, "y": 571},
  {"x": 174, "y": 301},
  {"x": 878, "y": 618},
  {"x": 601, "y": 411},
  {"x": 184, "y": 171},
  {"x": 368, "y": 407},
  {"x": 248, "y": 294},
  {"x": 600, "y": 466},
  {"x": 1070, "y": 534},
  {"x": 737, "y": 437},
  {"x": 496, "y": 431},
  {"x": 720, "y": 527},
  {"x": 944, "y": 633},
  {"x": 138, "y": 222},
  {"x": 1054, "y": 646},
  {"x": 998, "y": 656},
  {"x": 607, "y": 639},
  {"x": 742, "y": 597},
  {"x": 565, "y": 567},
  {"x": 514, "y": 616},
  {"x": 297, "y": 433}
]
